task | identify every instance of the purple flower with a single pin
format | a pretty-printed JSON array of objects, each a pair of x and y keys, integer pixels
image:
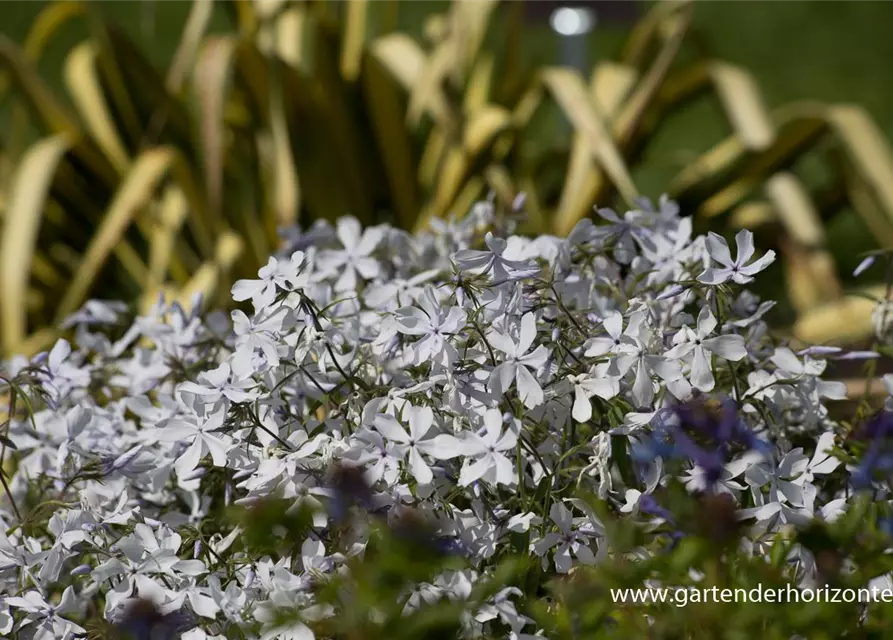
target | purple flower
[
  {"x": 878, "y": 459},
  {"x": 348, "y": 488},
  {"x": 143, "y": 621},
  {"x": 648, "y": 504},
  {"x": 704, "y": 431},
  {"x": 718, "y": 420}
]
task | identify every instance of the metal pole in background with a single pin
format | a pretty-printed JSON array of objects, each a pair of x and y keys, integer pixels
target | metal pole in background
[{"x": 573, "y": 25}]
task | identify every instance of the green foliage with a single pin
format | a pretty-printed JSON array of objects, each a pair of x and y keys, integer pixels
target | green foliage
[
  {"x": 714, "y": 588},
  {"x": 273, "y": 526}
]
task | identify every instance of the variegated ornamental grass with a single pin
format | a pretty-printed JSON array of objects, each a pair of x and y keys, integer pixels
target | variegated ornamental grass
[
  {"x": 147, "y": 179},
  {"x": 461, "y": 432}
]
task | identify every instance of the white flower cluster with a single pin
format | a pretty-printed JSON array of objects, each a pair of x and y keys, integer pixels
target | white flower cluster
[{"x": 479, "y": 382}]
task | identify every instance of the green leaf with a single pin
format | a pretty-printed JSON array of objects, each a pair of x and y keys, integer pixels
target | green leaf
[
  {"x": 137, "y": 189},
  {"x": 570, "y": 93}
]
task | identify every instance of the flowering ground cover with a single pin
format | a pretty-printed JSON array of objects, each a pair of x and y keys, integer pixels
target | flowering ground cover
[{"x": 462, "y": 433}]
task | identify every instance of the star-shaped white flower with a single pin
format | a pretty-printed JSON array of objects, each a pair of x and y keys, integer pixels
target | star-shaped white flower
[
  {"x": 484, "y": 452},
  {"x": 636, "y": 348},
  {"x": 356, "y": 256},
  {"x": 518, "y": 363},
  {"x": 587, "y": 385},
  {"x": 197, "y": 429},
  {"x": 412, "y": 444},
  {"x": 276, "y": 275},
  {"x": 697, "y": 344},
  {"x": 493, "y": 262},
  {"x": 737, "y": 270},
  {"x": 220, "y": 383},
  {"x": 44, "y": 620},
  {"x": 572, "y": 538},
  {"x": 434, "y": 324}
]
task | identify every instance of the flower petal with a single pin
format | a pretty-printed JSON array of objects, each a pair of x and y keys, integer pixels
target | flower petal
[
  {"x": 701, "y": 374},
  {"x": 529, "y": 389},
  {"x": 582, "y": 411},
  {"x": 730, "y": 347},
  {"x": 420, "y": 469},
  {"x": 388, "y": 426},
  {"x": 718, "y": 249},
  {"x": 528, "y": 333},
  {"x": 744, "y": 242}
]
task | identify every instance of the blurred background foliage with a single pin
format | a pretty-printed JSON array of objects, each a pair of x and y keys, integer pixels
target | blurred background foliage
[{"x": 157, "y": 146}]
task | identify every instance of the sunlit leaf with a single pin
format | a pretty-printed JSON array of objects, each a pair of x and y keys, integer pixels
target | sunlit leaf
[
  {"x": 86, "y": 91},
  {"x": 138, "y": 187},
  {"x": 30, "y": 190}
]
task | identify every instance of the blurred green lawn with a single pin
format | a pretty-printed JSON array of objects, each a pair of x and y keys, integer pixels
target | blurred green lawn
[{"x": 825, "y": 50}]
